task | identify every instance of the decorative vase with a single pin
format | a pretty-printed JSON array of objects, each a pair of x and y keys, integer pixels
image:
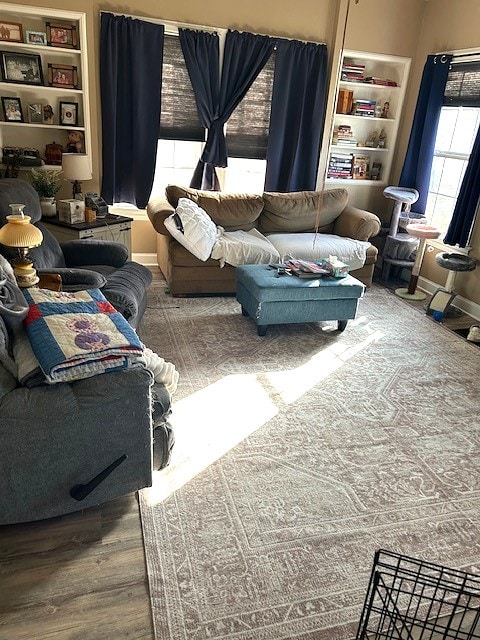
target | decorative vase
[{"x": 48, "y": 207}]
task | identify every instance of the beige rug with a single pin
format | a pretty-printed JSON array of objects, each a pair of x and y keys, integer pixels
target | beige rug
[{"x": 297, "y": 456}]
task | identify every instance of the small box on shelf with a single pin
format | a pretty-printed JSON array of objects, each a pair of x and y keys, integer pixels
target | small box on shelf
[{"x": 71, "y": 211}]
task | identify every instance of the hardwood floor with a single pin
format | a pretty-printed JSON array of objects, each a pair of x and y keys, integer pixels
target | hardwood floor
[{"x": 82, "y": 576}]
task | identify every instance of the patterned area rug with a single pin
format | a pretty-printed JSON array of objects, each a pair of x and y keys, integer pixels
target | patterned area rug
[{"x": 297, "y": 456}]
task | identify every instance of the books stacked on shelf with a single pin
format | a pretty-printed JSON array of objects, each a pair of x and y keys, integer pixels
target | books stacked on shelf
[
  {"x": 352, "y": 72},
  {"x": 364, "y": 108},
  {"x": 385, "y": 82},
  {"x": 361, "y": 167},
  {"x": 343, "y": 136},
  {"x": 306, "y": 268},
  {"x": 340, "y": 165},
  {"x": 344, "y": 101}
]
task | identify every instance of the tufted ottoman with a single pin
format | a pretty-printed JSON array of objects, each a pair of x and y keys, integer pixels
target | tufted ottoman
[{"x": 272, "y": 299}]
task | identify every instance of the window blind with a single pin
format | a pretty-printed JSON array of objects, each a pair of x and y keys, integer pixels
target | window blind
[
  {"x": 463, "y": 85},
  {"x": 247, "y": 128},
  {"x": 179, "y": 118}
]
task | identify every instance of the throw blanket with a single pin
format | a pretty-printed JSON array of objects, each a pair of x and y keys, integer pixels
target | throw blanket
[{"x": 79, "y": 335}]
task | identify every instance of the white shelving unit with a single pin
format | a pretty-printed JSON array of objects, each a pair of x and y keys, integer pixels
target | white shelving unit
[
  {"x": 384, "y": 67},
  {"x": 38, "y": 135}
]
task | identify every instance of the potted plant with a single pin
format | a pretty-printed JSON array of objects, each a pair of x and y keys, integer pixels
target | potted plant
[{"x": 47, "y": 183}]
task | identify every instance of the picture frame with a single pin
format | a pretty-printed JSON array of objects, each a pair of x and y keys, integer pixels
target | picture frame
[
  {"x": 36, "y": 37},
  {"x": 63, "y": 76},
  {"x": 11, "y": 31},
  {"x": 35, "y": 113},
  {"x": 12, "y": 109},
  {"x": 61, "y": 34},
  {"x": 68, "y": 113},
  {"x": 21, "y": 68}
]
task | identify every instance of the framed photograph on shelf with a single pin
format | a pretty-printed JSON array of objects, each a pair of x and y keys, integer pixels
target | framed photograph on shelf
[
  {"x": 12, "y": 109},
  {"x": 11, "y": 31},
  {"x": 68, "y": 113},
  {"x": 35, "y": 112},
  {"x": 22, "y": 68},
  {"x": 62, "y": 35},
  {"x": 36, "y": 37},
  {"x": 63, "y": 76}
]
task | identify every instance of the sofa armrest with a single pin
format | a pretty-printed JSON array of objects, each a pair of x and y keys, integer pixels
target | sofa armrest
[
  {"x": 357, "y": 224},
  {"x": 82, "y": 253},
  {"x": 158, "y": 210},
  {"x": 76, "y": 279}
]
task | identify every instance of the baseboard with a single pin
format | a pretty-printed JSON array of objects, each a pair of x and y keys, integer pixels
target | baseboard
[
  {"x": 147, "y": 259},
  {"x": 467, "y": 306}
]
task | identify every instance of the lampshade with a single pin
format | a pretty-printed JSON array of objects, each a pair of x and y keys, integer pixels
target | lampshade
[
  {"x": 19, "y": 233},
  {"x": 76, "y": 166}
]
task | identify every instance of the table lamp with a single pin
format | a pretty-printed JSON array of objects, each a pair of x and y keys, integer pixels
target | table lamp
[
  {"x": 19, "y": 234},
  {"x": 76, "y": 167}
]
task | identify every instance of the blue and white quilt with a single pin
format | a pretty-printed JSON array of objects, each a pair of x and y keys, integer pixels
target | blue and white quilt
[{"x": 79, "y": 335}]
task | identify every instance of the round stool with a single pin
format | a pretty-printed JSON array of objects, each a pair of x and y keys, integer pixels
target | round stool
[
  {"x": 398, "y": 248},
  {"x": 423, "y": 232},
  {"x": 443, "y": 297}
]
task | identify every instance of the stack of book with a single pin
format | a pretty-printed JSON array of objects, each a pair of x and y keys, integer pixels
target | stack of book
[
  {"x": 343, "y": 136},
  {"x": 305, "y": 268},
  {"x": 344, "y": 101},
  {"x": 364, "y": 108},
  {"x": 352, "y": 72},
  {"x": 385, "y": 82},
  {"x": 340, "y": 165}
]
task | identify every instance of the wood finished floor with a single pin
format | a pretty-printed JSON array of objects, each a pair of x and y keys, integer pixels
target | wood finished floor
[{"x": 82, "y": 576}]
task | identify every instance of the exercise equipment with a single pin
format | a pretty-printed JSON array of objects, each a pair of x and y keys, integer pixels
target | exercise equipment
[
  {"x": 423, "y": 232},
  {"x": 443, "y": 297}
]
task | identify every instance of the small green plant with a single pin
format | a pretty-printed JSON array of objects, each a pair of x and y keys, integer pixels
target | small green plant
[{"x": 47, "y": 183}]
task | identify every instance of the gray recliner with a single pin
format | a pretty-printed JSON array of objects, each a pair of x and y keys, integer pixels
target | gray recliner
[{"x": 82, "y": 264}]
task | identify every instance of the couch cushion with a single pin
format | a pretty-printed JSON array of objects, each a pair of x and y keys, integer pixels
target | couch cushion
[
  {"x": 192, "y": 227},
  {"x": 302, "y": 210},
  {"x": 232, "y": 211}
]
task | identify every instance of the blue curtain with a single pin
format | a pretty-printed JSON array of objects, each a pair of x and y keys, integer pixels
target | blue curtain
[
  {"x": 419, "y": 157},
  {"x": 244, "y": 57},
  {"x": 131, "y": 57},
  {"x": 201, "y": 53},
  {"x": 297, "y": 117},
  {"x": 467, "y": 201}
]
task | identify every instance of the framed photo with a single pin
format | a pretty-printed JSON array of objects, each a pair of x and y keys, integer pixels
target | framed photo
[
  {"x": 11, "y": 31},
  {"x": 36, "y": 37},
  {"x": 22, "y": 68},
  {"x": 35, "y": 112},
  {"x": 68, "y": 113},
  {"x": 62, "y": 35},
  {"x": 12, "y": 109},
  {"x": 62, "y": 75}
]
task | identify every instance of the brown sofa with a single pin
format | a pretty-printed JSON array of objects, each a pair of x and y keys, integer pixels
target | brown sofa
[{"x": 269, "y": 213}]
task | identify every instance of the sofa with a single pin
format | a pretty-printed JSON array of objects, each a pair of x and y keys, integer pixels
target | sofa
[
  {"x": 68, "y": 446},
  {"x": 82, "y": 264},
  {"x": 291, "y": 217}
]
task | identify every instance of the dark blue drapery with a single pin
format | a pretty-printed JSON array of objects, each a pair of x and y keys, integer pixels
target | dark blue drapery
[
  {"x": 131, "y": 56},
  {"x": 467, "y": 201},
  {"x": 419, "y": 157},
  {"x": 297, "y": 116},
  {"x": 201, "y": 53},
  {"x": 244, "y": 57}
]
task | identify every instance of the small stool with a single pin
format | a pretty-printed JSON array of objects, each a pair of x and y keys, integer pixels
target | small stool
[
  {"x": 271, "y": 299},
  {"x": 423, "y": 232},
  {"x": 397, "y": 246},
  {"x": 443, "y": 297}
]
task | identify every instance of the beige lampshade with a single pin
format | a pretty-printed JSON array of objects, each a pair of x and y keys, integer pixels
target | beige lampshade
[
  {"x": 76, "y": 166},
  {"x": 19, "y": 233}
]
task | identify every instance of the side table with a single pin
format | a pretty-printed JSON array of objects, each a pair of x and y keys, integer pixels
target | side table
[{"x": 111, "y": 227}]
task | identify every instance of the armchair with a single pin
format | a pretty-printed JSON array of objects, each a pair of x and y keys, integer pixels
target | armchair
[{"x": 82, "y": 264}]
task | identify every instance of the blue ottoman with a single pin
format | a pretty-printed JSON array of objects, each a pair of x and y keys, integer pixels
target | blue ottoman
[{"x": 272, "y": 299}]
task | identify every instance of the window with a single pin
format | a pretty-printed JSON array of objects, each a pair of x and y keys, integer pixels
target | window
[{"x": 457, "y": 129}]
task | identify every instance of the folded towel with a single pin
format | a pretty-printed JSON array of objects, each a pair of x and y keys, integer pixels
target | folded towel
[{"x": 79, "y": 335}]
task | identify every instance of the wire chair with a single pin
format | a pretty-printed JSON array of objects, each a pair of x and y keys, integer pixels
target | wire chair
[{"x": 409, "y": 599}]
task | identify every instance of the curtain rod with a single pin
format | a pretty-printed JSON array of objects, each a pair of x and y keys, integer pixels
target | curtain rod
[{"x": 460, "y": 53}]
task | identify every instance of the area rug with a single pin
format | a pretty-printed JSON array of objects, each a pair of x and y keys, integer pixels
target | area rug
[{"x": 297, "y": 456}]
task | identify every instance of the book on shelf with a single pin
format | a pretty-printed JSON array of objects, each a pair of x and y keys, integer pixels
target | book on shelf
[
  {"x": 344, "y": 101},
  {"x": 380, "y": 81},
  {"x": 361, "y": 167}
]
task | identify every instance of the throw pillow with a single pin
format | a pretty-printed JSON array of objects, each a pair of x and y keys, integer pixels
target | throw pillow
[{"x": 192, "y": 227}]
